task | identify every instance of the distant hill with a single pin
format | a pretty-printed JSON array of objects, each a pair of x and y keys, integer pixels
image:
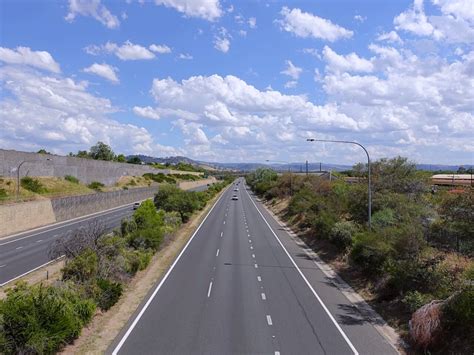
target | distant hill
[{"x": 294, "y": 167}]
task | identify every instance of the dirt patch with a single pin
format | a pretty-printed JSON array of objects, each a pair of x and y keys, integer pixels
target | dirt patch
[{"x": 105, "y": 327}]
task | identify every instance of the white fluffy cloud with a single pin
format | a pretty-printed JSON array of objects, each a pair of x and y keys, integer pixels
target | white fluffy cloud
[
  {"x": 222, "y": 40},
  {"x": 292, "y": 71},
  {"x": 161, "y": 49},
  {"x": 454, "y": 25},
  {"x": 24, "y": 55},
  {"x": 206, "y": 9},
  {"x": 104, "y": 70},
  {"x": 350, "y": 62},
  {"x": 304, "y": 24},
  {"x": 61, "y": 114},
  {"x": 391, "y": 37},
  {"x": 239, "y": 117},
  {"x": 92, "y": 8},
  {"x": 127, "y": 51}
]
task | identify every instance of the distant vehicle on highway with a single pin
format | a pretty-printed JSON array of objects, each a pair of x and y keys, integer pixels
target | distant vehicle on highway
[
  {"x": 136, "y": 205},
  {"x": 236, "y": 189},
  {"x": 235, "y": 197}
]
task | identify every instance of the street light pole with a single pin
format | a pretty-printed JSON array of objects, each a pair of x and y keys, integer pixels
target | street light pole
[
  {"x": 289, "y": 170},
  {"x": 368, "y": 166}
]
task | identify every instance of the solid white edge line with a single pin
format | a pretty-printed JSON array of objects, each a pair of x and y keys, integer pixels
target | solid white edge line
[
  {"x": 124, "y": 338},
  {"x": 307, "y": 283},
  {"x": 209, "y": 290},
  {"x": 30, "y": 271},
  {"x": 58, "y": 225}
]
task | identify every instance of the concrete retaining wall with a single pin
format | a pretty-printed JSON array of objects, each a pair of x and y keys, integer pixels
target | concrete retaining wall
[
  {"x": 86, "y": 170},
  {"x": 18, "y": 217},
  {"x": 75, "y": 206},
  {"x": 186, "y": 185}
]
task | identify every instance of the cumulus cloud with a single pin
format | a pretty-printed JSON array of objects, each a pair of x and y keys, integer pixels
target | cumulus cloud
[
  {"x": 454, "y": 25},
  {"x": 185, "y": 56},
  {"x": 147, "y": 112},
  {"x": 350, "y": 62},
  {"x": 305, "y": 24},
  {"x": 60, "y": 114},
  {"x": 222, "y": 40},
  {"x": 292, "y": 71},
  {"x": 206, "y": 9},
  {"x": 391, "y": 37},
  {"x": 24, "y": 55},
  {"x": 104, "y": 70},
  {"x": 161, "y": 49},
  {"x": 94, "y": 9},
  {"x": 242, "y": 117},
  {"x": 127, "y": 51}
]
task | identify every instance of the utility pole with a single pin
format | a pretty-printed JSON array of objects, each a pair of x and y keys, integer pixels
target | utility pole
[{"x": 306, "y": 168}]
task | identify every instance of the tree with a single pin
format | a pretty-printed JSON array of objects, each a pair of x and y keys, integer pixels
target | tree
[
  {"x": 121, "y": 158},
  {"x": 102, "y": 151},
  {"x": 43, "y": 151},
  {"x": 134, "y": 160},
  {"x": 82, "y": 154}
]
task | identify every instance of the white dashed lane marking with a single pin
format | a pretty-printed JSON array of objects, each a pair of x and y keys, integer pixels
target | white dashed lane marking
[
  {"x": 263, "y": 296},
  {"x": 209, "y": 290},
  {"x": 269, "y": 320},
  {"x": 217, "y": 254},
  {"x": 259, "y": 279}
]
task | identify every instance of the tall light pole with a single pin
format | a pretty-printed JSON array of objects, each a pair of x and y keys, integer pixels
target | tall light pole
[
  {"x": 18, "y": 175},
  {"x": 289, "y": 170},
  {"x": 368, "y": 167}
]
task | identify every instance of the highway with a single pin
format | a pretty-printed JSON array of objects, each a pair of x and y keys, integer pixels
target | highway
[
  {"x": 242, "y": 285},
  {"x": 28, "y": 251}
]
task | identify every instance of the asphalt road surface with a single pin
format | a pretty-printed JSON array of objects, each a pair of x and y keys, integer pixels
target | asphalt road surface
[
  {"x": 242, "y": 286},
  {"x": 28, "y": 251}
]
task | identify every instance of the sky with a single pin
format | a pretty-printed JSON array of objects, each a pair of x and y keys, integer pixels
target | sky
[{"x": 240, "y": 81}]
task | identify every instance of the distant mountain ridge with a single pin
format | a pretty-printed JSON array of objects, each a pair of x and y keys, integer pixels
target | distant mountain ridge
[{"x": 294, "y": 167}]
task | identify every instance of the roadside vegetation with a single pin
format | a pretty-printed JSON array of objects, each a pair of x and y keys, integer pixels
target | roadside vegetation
[
  {"x": 414, "y": 266},
  {"x": 42, "y": 319}
]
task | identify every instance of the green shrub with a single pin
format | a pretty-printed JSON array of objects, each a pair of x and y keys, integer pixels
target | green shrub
[
  {"x": 3, "y": 193},
  {"x": 149, "y": 238},
  {"x": 32, "y": 185},
  {"x": 132, "y": 183},
  {"x": 109, "y": 294},
  {"x": 137, "y": 260},
  {"x": 461, "y": 308},
  {"x": 82, "y": 268},
  {"x": 413, "y": 300},
  {"x": 72, "y": 179},
  {"x": 96, "y": 185},
  {"x": 383, "y": 218},
  {"x": 41, "y": 319},
  {"x": 322, "y": 223},
  {"x": 341, "y": 234},
  {"x": 423, "y": 275},
  {"x": 370, "y": 253}
]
